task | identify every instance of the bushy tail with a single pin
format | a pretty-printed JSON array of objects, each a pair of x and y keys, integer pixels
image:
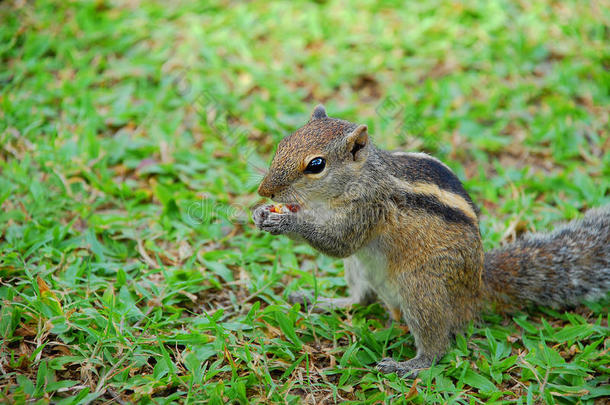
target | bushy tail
[{"x": 557, "y": 269}]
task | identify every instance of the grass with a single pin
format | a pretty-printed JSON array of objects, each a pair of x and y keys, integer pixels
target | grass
[{"x": 133, "y": 136}]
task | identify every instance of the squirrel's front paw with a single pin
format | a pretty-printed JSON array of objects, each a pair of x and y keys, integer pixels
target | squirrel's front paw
[
  {"x": 275, "y": 223},
  {"x": 259, "y": 215},
  {"x": 271, "y": 222}
]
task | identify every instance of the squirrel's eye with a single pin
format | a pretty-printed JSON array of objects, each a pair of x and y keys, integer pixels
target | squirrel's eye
[{"x": 315, "y": 166}]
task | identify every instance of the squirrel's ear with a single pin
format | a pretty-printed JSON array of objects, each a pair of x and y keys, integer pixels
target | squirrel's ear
[
  {"x": 318, "y": 112},
  {"x": 357, "y": 140}
]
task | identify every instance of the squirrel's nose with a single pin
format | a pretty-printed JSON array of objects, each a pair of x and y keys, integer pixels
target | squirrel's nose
[
  {"x": 268, "y": 189},
  {"x": 264, "y": 189}
]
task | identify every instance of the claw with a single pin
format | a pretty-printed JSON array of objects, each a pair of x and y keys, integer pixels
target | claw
[
  {"x": 387, "y": 365},
  {"x": 259, "y": 215},
  {"x": 404, "y": 369}
]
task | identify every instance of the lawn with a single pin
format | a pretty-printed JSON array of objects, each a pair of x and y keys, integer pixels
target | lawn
[{"x": 133, "y": 136}]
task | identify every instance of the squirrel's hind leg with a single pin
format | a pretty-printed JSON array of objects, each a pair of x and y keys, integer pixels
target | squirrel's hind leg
[
  {"x": 427, "y": 309},
  {"x": 432, "y": 336},
  {"x": 407, "y": 369}
]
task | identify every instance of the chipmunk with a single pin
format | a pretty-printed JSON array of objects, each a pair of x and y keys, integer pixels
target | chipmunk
[{"x": 409, "y": 234}]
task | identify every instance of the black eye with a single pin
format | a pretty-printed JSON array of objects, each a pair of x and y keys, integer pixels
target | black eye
[{"x": 315, "y": 166}]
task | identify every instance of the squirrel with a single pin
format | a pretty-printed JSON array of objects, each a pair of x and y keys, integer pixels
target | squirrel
[{"x": 409, "y": 235}]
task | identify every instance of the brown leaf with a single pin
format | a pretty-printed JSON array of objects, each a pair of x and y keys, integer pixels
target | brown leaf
[
  {"x": 26, "y": 331},
  {"x": 43, "y": 287},
  {"x": 413, "y": 390}
]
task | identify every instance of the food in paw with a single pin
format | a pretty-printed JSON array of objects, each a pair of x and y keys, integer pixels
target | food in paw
[{"x": 283, "y": 208}]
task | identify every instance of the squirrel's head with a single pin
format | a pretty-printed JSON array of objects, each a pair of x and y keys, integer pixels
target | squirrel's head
[{"x": 317, "y": 162}]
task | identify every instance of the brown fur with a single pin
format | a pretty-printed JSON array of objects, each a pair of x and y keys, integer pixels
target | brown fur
[
  {"x": 409, "y": 233},
  {"x": 313, "y": 139},
  {"x": 559, "y": 269}
]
